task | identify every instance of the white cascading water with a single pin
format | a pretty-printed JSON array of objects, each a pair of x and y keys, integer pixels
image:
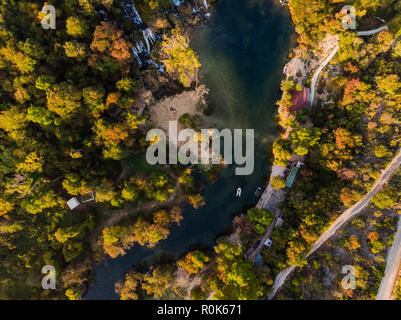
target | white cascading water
[
  {"x": 131, "y": 13},
  {"x": 149, "y": 37},
  {"x": 177, "y": 3},
  {"x": 160, "y": 68}
]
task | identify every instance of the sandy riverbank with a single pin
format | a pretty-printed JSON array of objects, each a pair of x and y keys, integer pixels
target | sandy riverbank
[{"x": 172, "y": 108}]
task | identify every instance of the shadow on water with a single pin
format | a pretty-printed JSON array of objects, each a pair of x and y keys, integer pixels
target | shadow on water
[{"x": 243, "y": 51}]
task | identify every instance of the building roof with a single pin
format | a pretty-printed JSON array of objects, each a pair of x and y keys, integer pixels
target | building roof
[
  {"x": 90, "y": 196},
  {"x": 258, "y": 259},
  {"x": 291, "y": 177},
  {"x": 73, "y": 203},
  {"x": 268, "y": 242},
  {"x": 300, "y": 99}
]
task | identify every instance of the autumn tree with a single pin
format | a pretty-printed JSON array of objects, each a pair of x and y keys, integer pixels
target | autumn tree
[
  {"x": 127, "y": 290},
  {"x": 149, "y": 234},
  {"x": 194, "y": 262},
  {"x": 281, "y": 151},
  {"x": 64, "y": 99},
  {"x": 76, "y": 27},
  {"x": 105, "y": 191},
  {"x": 180, "y": 60},
  {"x": 277, "y": 182},
  {"x": 108, "y": 40},
  {"x": 75, "y": 49}
]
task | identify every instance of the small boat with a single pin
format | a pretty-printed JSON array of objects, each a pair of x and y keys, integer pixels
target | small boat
[
  {"x": 284, "y": 2},
  {"x": 258, "y": 192},
  {"x": 239, "y": 191}
]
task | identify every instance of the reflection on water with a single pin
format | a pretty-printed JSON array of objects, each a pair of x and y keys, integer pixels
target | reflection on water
[{"x": 242, "y": 51}]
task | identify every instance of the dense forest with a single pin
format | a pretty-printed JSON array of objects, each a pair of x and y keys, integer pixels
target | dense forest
[
  {"x": 355, "y": 134},
  {"x": 356, "y": 128},
  {"x": 70, "y": 117},
  {"x": 73, "y": 124}
]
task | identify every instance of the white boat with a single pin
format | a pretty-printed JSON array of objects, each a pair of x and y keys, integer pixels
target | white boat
[{"x": 239, "y": 191}]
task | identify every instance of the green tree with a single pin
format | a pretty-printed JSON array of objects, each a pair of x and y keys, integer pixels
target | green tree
[
  {"x": 305, "y": 138},
  {"x": 40, "y": 115},
  {"x": 235, "y": 277},
  {"x": 260, "y": 218},
  {"x": 45, "y": 82},
  {"x": 72, "y": 250}
]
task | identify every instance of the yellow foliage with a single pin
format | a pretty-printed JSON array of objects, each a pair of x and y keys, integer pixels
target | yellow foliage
[
  {"x": 5, "y": 207},
  {"x": 75, "y": 154},
  {"x": 153, "y": 4},
  {"x": 180, "y": 60},
  {"x": 32, "y": 163}
]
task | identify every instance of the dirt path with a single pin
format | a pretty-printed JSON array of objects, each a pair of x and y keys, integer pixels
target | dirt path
[
  {"x": 388, "y": 283},
  {"x": 114, "y": 216},
  {"x": 319, "y": 70},
  {"x": 371, "y": 32},
  {"x": 346, "y": 216},
  {"x": 331, "y": 56}
]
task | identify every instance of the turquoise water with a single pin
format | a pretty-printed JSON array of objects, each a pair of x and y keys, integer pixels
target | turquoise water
[{"x": 243, "y": 51}]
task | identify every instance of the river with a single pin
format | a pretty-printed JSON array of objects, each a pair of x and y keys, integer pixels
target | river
[{"x": 243, "y": 50}]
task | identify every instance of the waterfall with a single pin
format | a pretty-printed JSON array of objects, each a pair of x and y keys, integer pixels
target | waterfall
[
  {"x": 178, "y": 3},
  {"x": 136, "y": 55},
  {"x": 130, "y": 12},
  {"x": 138, "y": 48},
  {"x": 177, "y": 15},
  {"x": 149, "y": 37},
  {"x": 137, "y": 18},
  {"x": 160, "y": 68}
]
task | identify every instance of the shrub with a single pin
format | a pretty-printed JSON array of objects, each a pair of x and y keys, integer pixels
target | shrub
[{"x": 277, "y": 183}]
